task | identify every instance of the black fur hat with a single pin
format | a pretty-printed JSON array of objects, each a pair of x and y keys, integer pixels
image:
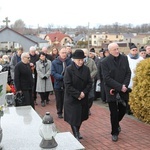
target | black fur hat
[
  {"x": 92, "y": 50},
  {"x": 78, "y": 54},
  {"x": 132, "y": 45},
  {"x": 142, "y": 49}
]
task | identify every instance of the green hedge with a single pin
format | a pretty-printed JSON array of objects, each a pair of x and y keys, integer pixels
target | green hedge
[{"x": 139, "y": 100}]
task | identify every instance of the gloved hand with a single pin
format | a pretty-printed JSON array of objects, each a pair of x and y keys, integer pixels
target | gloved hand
[{"x": 44, "y": 78}]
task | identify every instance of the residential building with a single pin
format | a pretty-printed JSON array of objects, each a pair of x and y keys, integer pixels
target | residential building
[
  {"x": 98, "y": 39},
  {"x": 58, "y": 39},
  {"x": 41, "y": 42},
  {"x": 80, "y": 37}
]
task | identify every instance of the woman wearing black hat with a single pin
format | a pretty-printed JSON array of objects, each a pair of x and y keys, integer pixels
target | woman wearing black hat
[{"x": 77, "y": 81}]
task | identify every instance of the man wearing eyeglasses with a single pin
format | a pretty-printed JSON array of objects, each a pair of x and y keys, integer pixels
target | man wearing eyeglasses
[
  {"x": 134, "y": 58},
  {"x": 23, "y": 79}
]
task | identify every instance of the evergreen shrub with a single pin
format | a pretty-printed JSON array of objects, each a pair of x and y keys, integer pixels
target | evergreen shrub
[{"x": 139, "y": 100}]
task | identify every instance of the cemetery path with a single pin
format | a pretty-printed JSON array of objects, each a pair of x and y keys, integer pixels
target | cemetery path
[{"x": 135, "y": 135}]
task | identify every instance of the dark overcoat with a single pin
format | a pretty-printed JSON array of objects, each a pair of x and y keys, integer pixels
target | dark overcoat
[
  {"x": 115, "y": 73},
  {"x": 23, "y": 79},
  {"x": 76, "y": 80},
  {"x": 57, "y": 72}
]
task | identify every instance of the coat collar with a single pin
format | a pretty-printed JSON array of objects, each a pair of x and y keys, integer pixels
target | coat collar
[
  {"x": 77, "y": 71},
  {"x": 117, "y": 63}
]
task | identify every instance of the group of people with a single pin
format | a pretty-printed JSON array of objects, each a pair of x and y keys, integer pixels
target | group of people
[{"x": 73, "y": 78}]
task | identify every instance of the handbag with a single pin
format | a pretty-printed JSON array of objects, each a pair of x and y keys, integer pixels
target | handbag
[{"x": 19, "y": 99}]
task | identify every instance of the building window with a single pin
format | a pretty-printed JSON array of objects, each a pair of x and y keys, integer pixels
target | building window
[
  {"x": 94, "y": 36},
  {"x": 94, "y": 42},
  {"x": 116, "y": 36}
]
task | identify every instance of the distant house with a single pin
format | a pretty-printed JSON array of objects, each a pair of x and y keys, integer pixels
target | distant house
[
  {"x": 146, "y": 39},
  {"x": 58, "y": 39},
  {"x": 142, "y": 39},
  {"x": 98, "y": 39},
  {"x": 138, "y": 40},
  {"x": 12, "y": 39},
  {"x": 80, "y": 37},
  {"x": 127, "y": 37},
  {"x": 41, "y": 42},
  {"x": 42, "y": 35}
]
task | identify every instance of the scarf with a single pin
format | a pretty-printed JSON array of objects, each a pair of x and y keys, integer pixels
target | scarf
[
  {"x": 44, "y": 62},
  {"x": 133, "y": 57},
  {"x": 63, "y": 64}
]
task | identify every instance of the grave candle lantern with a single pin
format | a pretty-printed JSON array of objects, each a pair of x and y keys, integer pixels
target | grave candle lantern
[{"x": 48, "y": 132}]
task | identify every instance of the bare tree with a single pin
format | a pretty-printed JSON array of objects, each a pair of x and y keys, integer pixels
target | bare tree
[{"x": 19, "y": 26}]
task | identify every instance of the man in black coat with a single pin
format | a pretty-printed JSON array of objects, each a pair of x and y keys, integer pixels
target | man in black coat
[
  {"x": 23, "y": 79},
  {"x": 116, "y": 74}
]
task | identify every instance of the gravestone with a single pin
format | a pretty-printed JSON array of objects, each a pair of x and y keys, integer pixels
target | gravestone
[{"x": 21, "y": 131}]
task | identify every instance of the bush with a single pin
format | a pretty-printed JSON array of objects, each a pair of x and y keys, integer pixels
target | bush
[{"x": 140, "y": 96}]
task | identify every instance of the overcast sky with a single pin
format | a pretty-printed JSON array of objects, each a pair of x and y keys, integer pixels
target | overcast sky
[{"x": 72, "y": 13}]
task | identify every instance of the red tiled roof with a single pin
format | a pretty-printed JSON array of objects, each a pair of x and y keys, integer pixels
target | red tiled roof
[{"x": 57, "y": 35}]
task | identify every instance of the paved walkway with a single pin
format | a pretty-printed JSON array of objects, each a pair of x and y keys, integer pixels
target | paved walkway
[{"x": 135, "y": 135}]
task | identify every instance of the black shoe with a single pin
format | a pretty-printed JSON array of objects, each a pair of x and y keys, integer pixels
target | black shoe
[
  {"x": 60, "y": 116},
  {"x": 43, "y": 104},
  {"x": 80, "y": 137},
  {"x": 115, "y": 138},
  {"x": 119, "y": 129}
]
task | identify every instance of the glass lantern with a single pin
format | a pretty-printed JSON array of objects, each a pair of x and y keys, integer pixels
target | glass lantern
[{"x": 47, "y": 132}]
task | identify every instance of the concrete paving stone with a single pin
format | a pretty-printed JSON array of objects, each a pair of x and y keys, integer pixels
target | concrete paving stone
[{"x": 135, "y": 135}]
